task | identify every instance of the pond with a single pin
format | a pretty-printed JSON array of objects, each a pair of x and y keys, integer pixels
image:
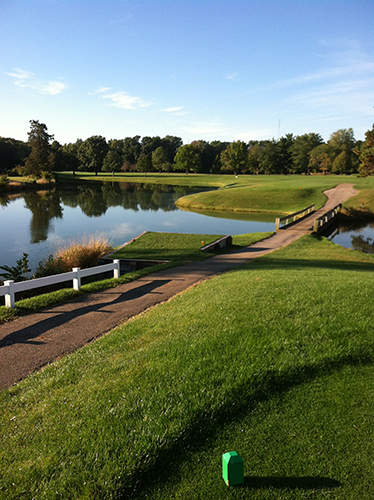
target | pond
[
  {"x": 356, "y": 235},
  {"x": 36, "y": 223}
]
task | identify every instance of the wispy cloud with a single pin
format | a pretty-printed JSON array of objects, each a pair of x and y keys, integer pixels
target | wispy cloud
[
  {"x": 232, "y": 76},
  {"x": 177, "y": 111},
  {"x": 173, "y": 110},
  {"x": 27, "y": 79},
  {"x": 122, "y": 99}
]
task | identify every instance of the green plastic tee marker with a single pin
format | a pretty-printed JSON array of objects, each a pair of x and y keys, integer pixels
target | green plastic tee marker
[{"x": 232, "y": 468}]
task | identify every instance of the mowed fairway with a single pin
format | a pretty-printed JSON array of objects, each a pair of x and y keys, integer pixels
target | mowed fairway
[{"x": 273, "y": 360}]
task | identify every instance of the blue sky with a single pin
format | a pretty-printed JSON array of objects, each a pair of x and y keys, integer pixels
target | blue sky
[{"x": 212, "y": 70}]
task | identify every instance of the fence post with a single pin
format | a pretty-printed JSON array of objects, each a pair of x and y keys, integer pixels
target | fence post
[
  {"x": 277, "y": 224},
  {"x": 116, "y": 271},
  {"x": 77, "y": 279},
  {"x": 316, "y": 226},
  {"x": 9, "y": 297}
]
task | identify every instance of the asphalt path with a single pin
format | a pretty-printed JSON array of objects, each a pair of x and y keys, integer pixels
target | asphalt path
[{"x": 33, "y": 341}]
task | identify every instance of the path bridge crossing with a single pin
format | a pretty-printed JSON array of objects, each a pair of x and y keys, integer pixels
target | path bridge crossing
[{"x": 31, "y": 342}]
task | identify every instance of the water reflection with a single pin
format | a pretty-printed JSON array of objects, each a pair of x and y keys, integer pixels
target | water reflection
[
  {"x": 44, "y": 206},
  {"x": 93, "y": 200},
  {"x": 356, "y": 234}
]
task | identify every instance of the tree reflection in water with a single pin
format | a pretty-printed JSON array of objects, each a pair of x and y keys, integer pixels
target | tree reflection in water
[
  {"x": 362, "y": 244},
  {"x": 94, "y": 200}
]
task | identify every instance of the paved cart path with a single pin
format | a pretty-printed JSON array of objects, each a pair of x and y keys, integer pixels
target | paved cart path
[{"x": 31, "y": 342}]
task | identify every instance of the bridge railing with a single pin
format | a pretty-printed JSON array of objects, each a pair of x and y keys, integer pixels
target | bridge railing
[
  {"x": 291, "y": 218},
  {"x": 10, "y": 288},
  {"x": 326, "y": 219}
]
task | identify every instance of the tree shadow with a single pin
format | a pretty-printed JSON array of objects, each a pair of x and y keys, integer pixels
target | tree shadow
[
  {"x": 33, "y": 331},
  {"x": 206, "y": 425}
]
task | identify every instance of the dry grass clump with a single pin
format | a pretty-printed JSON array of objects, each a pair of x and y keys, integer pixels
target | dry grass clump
[{"x": 84, "y": 253}]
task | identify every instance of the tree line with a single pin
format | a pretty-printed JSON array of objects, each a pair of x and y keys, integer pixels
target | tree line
[{"x": 302, "y": 154}]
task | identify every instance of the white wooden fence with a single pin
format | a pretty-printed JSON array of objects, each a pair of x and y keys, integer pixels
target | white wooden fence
[{"x": 10, "y": 287}]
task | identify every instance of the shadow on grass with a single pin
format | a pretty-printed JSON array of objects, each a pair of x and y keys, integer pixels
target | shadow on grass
[
  {"x": 284, "y": 264},
  {"x": 290, "y": 483},
  {"x": 206, "y": 426}
]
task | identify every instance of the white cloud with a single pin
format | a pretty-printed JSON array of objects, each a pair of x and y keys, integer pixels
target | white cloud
[
  {"x": 176, "y": 111},
  {"x": 173, "y": 110},
  {"x": 232, "y": 76},
  {"x": 53, "y": 88},
  {"x": 124, "y": 100},
  {"x": 26, "y": 79}
]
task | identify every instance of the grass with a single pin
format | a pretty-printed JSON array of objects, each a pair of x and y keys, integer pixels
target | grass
[
  {"x": 180, "y": 248},
  {"x": 253, "y": 193},
  {"x": 177, "y": 248},
  {"x": 273, "y": 360},
  {"x": 75, "y": 253}
]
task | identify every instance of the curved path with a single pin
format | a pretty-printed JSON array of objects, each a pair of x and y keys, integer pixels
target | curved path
[{"x": 31, "y": 342}]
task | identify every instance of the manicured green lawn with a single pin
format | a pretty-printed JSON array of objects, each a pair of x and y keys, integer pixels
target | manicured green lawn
[
  {"x": 273, "y": 360},
  {"x": 180, "y": 247}
]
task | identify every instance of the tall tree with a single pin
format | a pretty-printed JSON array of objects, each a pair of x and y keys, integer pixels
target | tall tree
[
  {"x": 234, "y": 158},
  {"x": 144, "y": 164},
  {"x": 171, "y": 144},
  {"x": 131, "y": 150},
  {"x": 366, "y": 154},
  {"x": 112, "y": 162},
  {"x": 187, "y": 159},
  {"x": 343, "y": 141},
  {"x": 160, "y": 160},
  {"x": 300, "y": 150},
  {"x": 319, "y": 159},
  {"x": 41, "y": 158},
  {"x": 91, "y": 153}
]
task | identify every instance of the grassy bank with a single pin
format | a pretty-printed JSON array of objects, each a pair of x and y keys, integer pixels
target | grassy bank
[
  {"x": 274, "y": 360},
  {"x": 180, "y": 248},
  {"x": 253, "y": 193}
]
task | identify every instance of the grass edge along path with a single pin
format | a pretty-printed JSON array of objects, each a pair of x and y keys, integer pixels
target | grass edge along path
[{"x": 274, "y": 359}]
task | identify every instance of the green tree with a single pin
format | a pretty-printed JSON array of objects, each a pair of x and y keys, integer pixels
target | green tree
[
  {"x": 319, "y": 159},
  {"x": 171, "y": 144},
  {"x": 160, "y": 160},
  {"x": 187, "y": 159},
  {"x": 144, "y": 164},
  {"x": 301, "y": 149},
  {"x": 131, "y": 151},
  {"x": 41, "y": 158},
  {"x": 70, "y": 155},
  {"x": 112, "y": 162},
  {"x": 343, "y": 141},
  {"x": 234, "y": 158},
  {"x": 91, "y": 153},
  {"x": 366, "y": 154}
]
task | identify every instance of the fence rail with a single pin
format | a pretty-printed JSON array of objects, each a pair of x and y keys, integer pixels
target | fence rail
[
  {"x": 10, "y": 288},
  {"x": 326, "y": 219},
  {"x": 292, "y": 217}
]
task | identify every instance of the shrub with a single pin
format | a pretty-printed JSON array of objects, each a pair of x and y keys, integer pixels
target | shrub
[
  {"x": 75, "y": 253},
  {"x": 4, "y": 182}
]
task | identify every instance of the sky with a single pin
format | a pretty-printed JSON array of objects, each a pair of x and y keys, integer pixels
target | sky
[{"x": 212, "y": 70}]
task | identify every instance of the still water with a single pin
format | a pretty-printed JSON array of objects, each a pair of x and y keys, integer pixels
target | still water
[
  {"x": 36, "y": 223},
  {"x": 358, "y": 236}
]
